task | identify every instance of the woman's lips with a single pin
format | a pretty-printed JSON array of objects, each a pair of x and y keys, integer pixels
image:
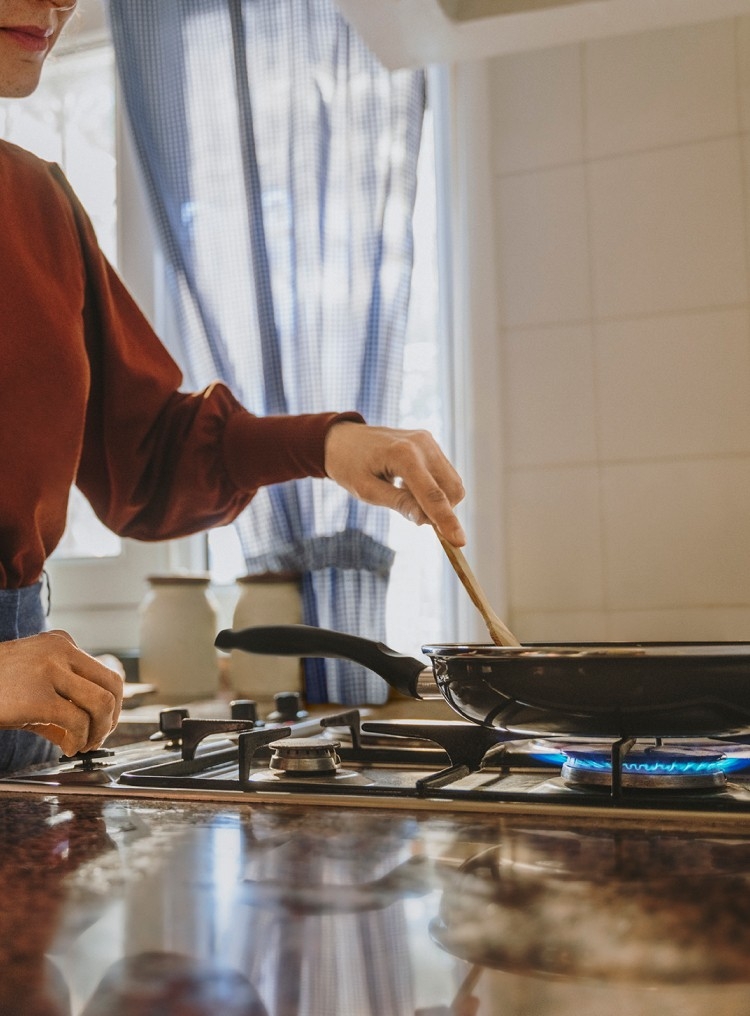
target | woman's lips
[{"x": 28, "y": 37}]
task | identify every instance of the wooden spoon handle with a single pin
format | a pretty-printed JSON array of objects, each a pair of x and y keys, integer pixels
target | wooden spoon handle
[{"x": 500, "y": 634}]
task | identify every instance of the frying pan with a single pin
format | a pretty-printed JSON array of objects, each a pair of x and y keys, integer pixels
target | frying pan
[{"x": 636, "y": 689}]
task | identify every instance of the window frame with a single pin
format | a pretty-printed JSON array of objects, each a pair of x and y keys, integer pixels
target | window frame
[{"x": 471, "y": 330}]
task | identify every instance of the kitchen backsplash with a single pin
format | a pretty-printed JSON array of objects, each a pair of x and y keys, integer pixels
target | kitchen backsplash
[{"x": 622, "y": 200}]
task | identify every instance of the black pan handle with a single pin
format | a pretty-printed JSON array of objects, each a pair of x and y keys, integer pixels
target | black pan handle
[{"x": 399, "y": 671}]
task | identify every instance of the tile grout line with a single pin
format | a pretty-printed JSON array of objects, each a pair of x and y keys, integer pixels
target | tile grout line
[{"x": 593, "y": 331}]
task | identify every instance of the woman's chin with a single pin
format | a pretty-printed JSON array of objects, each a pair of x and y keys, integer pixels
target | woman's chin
[{"x": 18, "y": 86}]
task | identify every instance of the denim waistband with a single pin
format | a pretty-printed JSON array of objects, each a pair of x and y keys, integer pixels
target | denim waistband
[{"x": 21, "y": 612}]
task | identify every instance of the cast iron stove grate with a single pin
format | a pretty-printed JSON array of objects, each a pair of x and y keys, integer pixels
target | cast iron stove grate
[{"x": 448, "y": 761}]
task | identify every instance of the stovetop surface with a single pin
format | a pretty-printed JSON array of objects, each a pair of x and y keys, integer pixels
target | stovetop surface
[{"x": 426, "y": 764}]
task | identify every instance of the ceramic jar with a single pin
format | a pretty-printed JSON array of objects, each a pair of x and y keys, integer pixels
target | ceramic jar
[
  {"x": 267, "y": 599},
  {"x": 178, "y": 622}
]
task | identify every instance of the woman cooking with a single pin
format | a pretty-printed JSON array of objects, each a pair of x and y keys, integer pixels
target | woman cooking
[{"x": 91, "y": 398}]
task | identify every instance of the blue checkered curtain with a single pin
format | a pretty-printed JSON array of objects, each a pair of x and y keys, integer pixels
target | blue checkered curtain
[{"x": 280, "y": 159}]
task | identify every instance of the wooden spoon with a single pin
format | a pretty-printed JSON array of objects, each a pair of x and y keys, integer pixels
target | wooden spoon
[{"x": 500, "y": 634}]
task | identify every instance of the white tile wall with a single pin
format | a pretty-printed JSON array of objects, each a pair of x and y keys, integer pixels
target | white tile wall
[
  {"x": 743, "y": 71},
  {"x": 659, "y": 89},
  {"x": 674, "y": 385},
  {"x": 676, "y": 533},
  {"x": 544, "y": 254},
  {"x": 667, "y": 230},
  {"x": 622, "y": 172},
  {"x": 548, "y": 395},
  {"x": 538, "y": 112},
  {"x": 555, "y": 555},
  {"x": 563, "y": 626}
]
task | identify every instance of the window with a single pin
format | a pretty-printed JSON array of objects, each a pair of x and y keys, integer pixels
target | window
[
  {"x": 416, "y": 604},
  {"x": 415, "y": 610}
]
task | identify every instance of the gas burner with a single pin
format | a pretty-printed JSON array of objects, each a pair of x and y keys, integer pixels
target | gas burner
[
  {"x": 652, "y": 767},
  {"x": 303, "y": 756}
]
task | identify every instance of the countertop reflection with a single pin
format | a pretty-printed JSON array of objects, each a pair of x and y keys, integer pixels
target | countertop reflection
[{"x": 137, "y": 908}]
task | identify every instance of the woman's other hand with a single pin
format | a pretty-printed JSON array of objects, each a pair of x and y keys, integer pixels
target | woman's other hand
[
  {"x": 401, "y": 469},
  {"x": 50, "y": 686}
]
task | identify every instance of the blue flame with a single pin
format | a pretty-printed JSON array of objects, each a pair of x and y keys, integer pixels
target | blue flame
[
  {"x": 644, "y": 766},
  {"x": 552, "y": 758}
]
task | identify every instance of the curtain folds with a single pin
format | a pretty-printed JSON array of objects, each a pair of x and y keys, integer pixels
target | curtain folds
[{"x": 280, "y": 160}]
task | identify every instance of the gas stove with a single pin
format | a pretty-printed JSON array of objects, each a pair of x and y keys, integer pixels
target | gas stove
[{"x": 344, "y": 759}]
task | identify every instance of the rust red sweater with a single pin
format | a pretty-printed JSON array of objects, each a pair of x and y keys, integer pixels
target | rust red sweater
[{"x": 91, "y": 397}]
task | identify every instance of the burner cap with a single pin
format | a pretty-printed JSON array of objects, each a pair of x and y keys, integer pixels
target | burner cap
[
  {"x": 655, "y": 767},
  {"x": 304, "y": 755}
]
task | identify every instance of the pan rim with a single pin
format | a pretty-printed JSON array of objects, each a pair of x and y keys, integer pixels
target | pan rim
[{"x": 665, "y": 651}]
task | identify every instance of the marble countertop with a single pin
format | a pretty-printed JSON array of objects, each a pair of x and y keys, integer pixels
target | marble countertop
[{"x": 137, "y": 908}]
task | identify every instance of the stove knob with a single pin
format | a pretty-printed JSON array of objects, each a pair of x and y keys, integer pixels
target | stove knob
[
  {"x": 287, "y": 708},
  {"x": 170, "y": 723},
  {"x": 244, "y": 709},
  {"x": 88, "y": 759}
]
